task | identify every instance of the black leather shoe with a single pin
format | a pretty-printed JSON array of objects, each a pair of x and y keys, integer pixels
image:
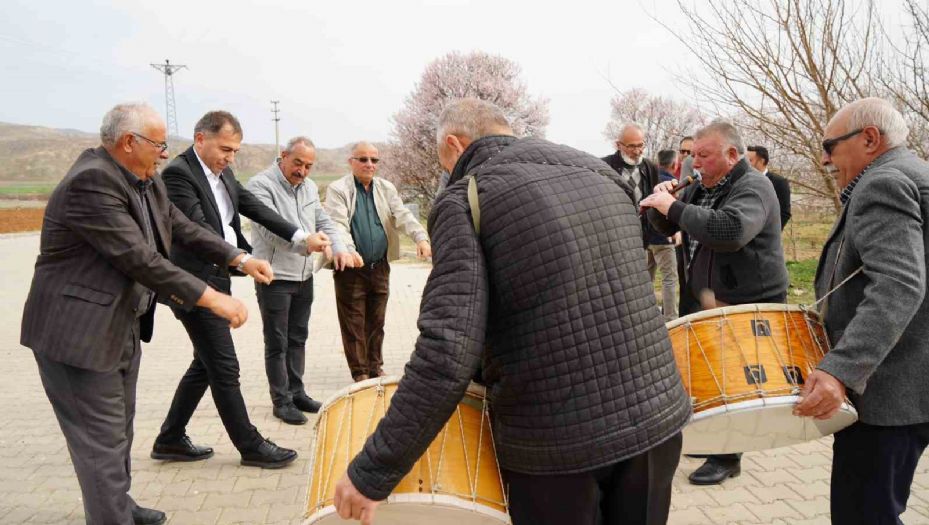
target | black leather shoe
[
  {"x": 183, "y": 450},
  {"x": 268, "y": 455},
  {"x": 714, "y": 472},
  {"x": 289, "y": 414},
  {"x": 307, "y": 404},
  {"x": 143, "y": 516}
]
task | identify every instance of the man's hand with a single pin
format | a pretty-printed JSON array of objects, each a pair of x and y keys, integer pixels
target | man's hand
[
  {"x": 351, "y": 504},
  {"x": 259, "y": 269},
  {"x": 423, "y": 249},
  {"x": 317, "y": 242},
  {"x": 821, "y": 397},
  {"x": 225, "y": 306},
  {"x": 327, "y": 253},
  {"x": 660, "y": 200},
  {"x": 359, "y": 262},
  {"x": 677, "y": 239},
  {"x": 344, "y": 260},
  {"x": 665, "y": 187}
]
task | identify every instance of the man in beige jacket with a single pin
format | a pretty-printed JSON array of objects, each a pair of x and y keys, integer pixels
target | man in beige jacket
[{"x": 369, "y": 215}]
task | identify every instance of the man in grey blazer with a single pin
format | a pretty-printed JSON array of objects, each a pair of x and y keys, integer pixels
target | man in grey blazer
[
  {"x": 877, "y": 316},
  {"x": 106, "y": 238}
]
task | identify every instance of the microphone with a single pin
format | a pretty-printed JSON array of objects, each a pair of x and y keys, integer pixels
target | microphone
[{"x": 690, "y": 179}]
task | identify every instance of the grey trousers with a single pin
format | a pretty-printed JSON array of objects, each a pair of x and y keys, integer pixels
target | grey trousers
[
  {"x": 661, "y": 257},
  {"x": 95, "y": 411}
]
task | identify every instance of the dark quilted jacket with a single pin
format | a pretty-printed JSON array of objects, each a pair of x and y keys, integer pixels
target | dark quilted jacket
[{"x": 578, "y": 363}]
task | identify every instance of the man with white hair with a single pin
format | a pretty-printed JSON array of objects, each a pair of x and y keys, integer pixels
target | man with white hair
[
  {"x": 106, "y": 241},
  {"x": 638, "y": 172},
  {"x": 369, "y": 214},
  {"x": 873, "y": 283},
  {"x": 547, "y": 295},
  {"x": 731, "y": 228}
]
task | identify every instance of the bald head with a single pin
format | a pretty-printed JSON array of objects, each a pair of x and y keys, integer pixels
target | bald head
[{"x": 364, "y": 161}]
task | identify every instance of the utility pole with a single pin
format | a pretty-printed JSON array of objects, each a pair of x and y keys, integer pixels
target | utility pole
[
  {"x": 170, "y": 110},
  {"x": 277, "y": 137}
]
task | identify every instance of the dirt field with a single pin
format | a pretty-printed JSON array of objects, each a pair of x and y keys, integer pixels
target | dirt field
[{"x": 20, "y": 219}]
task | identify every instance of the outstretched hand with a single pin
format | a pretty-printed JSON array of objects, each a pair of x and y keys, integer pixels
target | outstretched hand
[{"x": 352, "y": 504}]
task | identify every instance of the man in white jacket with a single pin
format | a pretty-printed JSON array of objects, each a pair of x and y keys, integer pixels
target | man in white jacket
[
  {"x": 285, "y": 304},
  {"x": 369, "y": 215}
]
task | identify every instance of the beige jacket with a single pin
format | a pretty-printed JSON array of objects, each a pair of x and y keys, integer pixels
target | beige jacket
[{"x": 394, "y": 215}]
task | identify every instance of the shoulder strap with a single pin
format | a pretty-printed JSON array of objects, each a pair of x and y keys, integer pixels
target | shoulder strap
[{"x": 474, "y": 204}]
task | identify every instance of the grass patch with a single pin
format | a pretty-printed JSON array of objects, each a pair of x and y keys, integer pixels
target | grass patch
[
  {"x": 802, "y": 274},
  {"x": 26, "y": 190}
]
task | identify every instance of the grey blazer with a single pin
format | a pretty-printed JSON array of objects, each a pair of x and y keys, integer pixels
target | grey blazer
[
  {"x": 878, "y": 322},
  {"x": 94, "y": 265}
]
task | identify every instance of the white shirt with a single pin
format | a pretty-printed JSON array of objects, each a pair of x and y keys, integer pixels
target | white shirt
[
  {"x": 226, "y": 210},
  {"x": 223, "y": 202}
]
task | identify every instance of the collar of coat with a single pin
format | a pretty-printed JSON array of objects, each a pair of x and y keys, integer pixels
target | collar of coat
[{"x": 479, "y": 152}]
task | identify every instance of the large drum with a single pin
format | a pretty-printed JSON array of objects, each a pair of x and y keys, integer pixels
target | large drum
[
  {"x": 743, "y": 367},
  {"x": 456, "y": 482}
]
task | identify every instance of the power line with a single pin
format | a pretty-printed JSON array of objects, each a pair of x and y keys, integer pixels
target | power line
[{"x": 170, "y": 108}]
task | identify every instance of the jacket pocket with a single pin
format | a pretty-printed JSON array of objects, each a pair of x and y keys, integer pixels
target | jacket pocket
[{"x": 87, "y": 294}]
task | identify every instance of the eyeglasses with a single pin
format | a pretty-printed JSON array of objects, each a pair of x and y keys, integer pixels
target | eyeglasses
[
  {"x": 640, "y": 145},
  {"x": 830, "y": 144},
  {"x": 365, "y": 160},
  {"x": 685, "y": 152},
  {"x": 163, "y": 146}
]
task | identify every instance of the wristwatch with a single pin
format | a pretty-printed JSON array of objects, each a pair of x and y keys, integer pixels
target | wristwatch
[{"x": 241, "y": 266}]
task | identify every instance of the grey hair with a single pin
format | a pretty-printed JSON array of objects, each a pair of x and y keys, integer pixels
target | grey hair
[
  {"x": 127, "y": 117},
  {"x": 629, "y": 124},
  {"x": 873, "y": 111},
  {"x": 727, "y": 131},
  {"x": 472, "y": 118},
  {"x": 292, "y": 143}
]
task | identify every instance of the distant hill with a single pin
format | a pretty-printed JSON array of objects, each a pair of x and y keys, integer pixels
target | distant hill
[{"x": 33, "y": 158}]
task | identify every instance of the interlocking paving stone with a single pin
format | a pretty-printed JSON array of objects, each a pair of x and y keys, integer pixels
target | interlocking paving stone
[{"x": 37, "y": 484}]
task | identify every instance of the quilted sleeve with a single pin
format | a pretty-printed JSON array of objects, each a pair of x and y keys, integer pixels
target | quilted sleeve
[{"x": 452, "y": 322}]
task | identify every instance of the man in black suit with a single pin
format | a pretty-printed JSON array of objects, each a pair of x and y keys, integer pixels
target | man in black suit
[
  {"x": 201, "y": 184},
  {"x": 106, "y": 237},
  {"x": 758, "y": 157}
]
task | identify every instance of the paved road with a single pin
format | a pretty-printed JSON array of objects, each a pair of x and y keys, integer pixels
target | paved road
[{"x": 37, "y": 483}]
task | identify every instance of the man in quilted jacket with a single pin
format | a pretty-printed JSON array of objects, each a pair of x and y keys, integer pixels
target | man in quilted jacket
[{"x": 551, "y": 301}]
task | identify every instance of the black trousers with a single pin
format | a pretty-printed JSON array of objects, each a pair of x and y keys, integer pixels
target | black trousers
[
  {"x": 285, "y": 316},
  {"x": 95, "y": 411},
  {"x": 636, "y": 491},
  {"x": 872, "y": 470},
  {"x": 216, "y": 366}
]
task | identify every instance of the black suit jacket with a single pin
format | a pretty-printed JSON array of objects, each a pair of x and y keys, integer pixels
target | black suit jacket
[
  {"x": 782, "y": 189},
  {"x": 95, "y": 263},
  {"x": 189, "y": 190},
  {"x": 649, "y": 178}
]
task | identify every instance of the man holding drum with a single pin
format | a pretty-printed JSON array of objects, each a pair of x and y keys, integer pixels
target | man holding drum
[
  {"x": 546, "y": 292},
  {"x": 872, "y": 284},
  {"x": 732, "y": 242}
]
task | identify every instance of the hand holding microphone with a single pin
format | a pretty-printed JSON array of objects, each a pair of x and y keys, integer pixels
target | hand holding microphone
[{"x": 663, "y": 196}]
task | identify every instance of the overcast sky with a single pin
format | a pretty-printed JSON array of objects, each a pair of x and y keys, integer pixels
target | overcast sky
[{"x": 340, "y": 69}]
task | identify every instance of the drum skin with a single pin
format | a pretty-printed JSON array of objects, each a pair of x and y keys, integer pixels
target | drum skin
[
  {"x": 456, "y": 481},
  {"x": 743, "y": 367}
]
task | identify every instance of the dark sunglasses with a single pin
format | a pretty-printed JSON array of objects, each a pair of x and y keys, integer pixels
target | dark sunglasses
[
  {"x": 163, "y": 146},
  {"x": 364, "y": 160},
  {"x": 830, "y": 144}
]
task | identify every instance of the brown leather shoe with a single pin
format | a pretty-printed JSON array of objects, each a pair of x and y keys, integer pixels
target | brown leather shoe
[{"x": 360, "y": 377}]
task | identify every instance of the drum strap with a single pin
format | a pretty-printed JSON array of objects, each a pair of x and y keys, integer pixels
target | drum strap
[
  {"x": 835, "y": 266},
  {"x": 474, "y": 204}
]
